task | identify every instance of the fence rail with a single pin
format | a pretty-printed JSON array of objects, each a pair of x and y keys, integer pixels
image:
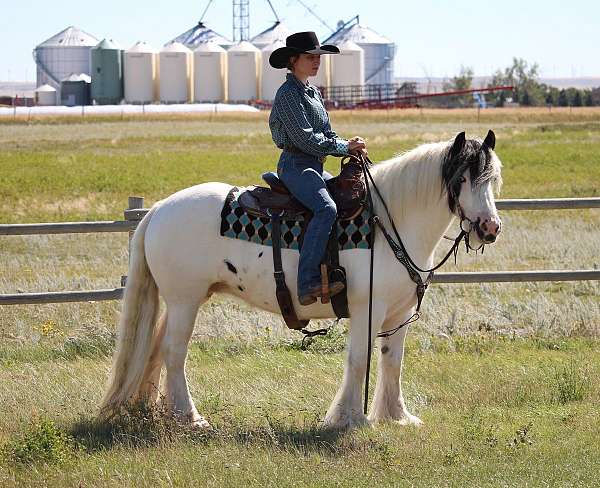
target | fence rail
[{"x": 135, "y": 212}]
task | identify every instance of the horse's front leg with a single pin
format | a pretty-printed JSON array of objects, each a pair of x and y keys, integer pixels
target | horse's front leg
[
  {"x": 388, "y": 401},
  {"x": 346, "y": 409}
]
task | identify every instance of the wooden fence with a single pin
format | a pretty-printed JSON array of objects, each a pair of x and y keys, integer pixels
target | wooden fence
[{"x": 135, "y": 212}]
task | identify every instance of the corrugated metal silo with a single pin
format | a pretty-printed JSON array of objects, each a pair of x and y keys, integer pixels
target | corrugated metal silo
[
  {"x": 45, "y": 95},
  {"x": 63, "y": 54},
  {"x": 322, "y": 78},
  {"x": 379, "y": 52},
  {"x": 348, "y": 67},
  {"x": 107, "y": 73},
  {"x": 243, "y": 62},
  {"x": 140, "y": 73},
  {"x": 271, "y": 78},
  {"x": 75, "y": 90},
  {"x": 210, "y": 72},
  {"x": 199, "y": 34},
  {"x": 277, "y": 32},
  {"x": 175, "y": 69}
]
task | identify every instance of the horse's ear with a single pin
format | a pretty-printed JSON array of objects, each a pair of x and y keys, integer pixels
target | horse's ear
[
  {"x": 490, "y": 140},
  {"x": 457, "y": 145}
]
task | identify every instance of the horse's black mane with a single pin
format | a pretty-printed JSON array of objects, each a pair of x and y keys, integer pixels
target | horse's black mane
[{"x": 474, "y": 156}]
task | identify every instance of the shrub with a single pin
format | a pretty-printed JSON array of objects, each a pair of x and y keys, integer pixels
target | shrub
[{"x": 41, "y": 442}]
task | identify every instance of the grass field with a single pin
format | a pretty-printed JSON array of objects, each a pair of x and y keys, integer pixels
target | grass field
[{"x": 506, "y": 377}]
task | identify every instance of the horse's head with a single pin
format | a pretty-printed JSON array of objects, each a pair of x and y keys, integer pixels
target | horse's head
[{"x": 470, "y": 173}]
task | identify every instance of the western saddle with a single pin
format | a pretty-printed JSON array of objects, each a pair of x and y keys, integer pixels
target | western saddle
[{"x": 348, "y": 191}]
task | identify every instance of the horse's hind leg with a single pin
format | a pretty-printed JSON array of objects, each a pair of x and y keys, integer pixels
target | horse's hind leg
[
  {"x": 388, "y": 400},
  {"x": 179, "y": 328}
]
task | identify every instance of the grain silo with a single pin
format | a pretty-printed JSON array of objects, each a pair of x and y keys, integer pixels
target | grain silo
[
  {"x": 243, "y": 62},
  {"x": 378, "y": 51},
  {"x": 45, "y": 95},
  {"x": 271, "y": 78},
  {"x": 63, "y": 54},
  {"x": 277, "y": 32},
  {"x": 347, "y": 67},
  {"x": 210, "y": 72},
  {"x": 199, "y": 34},
  {"x": 107, "y": 73},
  {"x": 175, "y": 68},
  {"x": 140, "y": 73},
  {"x": 322, "y": 78},
  {"x": 75, "y": 90}
]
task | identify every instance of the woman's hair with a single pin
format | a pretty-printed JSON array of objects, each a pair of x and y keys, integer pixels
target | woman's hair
[{"x": 291, "y": 60}]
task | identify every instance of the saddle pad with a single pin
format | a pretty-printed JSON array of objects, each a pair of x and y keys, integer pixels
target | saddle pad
[{"x": 238, "y": 224}]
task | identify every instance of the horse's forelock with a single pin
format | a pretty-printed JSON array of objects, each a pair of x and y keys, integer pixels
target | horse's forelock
[{"x": 474, "y": 156}]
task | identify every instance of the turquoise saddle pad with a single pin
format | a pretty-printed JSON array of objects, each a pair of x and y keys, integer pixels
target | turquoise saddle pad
[{"x": 354, "y": 233}]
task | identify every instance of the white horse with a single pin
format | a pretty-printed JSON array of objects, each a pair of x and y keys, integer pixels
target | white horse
[{"x": 177, "y": 252}]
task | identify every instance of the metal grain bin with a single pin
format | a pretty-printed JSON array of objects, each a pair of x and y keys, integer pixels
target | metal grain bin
[
  {"x": 75, "y": 90},
  {"x": 45, "y": 95},
  {"x": 107, "y": 73}
]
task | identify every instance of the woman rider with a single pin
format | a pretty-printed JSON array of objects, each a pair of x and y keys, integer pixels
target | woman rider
[{"x": 300, "y": 127}]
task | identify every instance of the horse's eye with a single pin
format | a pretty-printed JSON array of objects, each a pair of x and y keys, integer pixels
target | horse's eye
[{"x": 463, "y": 180}]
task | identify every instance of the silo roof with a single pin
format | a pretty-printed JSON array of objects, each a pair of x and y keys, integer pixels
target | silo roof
[
  {"x": 348, "y": 45},
  {"x": 200, "y": 34},
  {"x": 175, "y": 47},
  {"x": 78, "y": 77},
  {"x": 244, "y": 46},
  {"x": 277, "y": 31},
  {"x": 45, "y": 88},
  {"x": 359, "y": 34},
  {"x": 108, "y": 44},
  {"x": 210, "y": 47},
  {"x": 276, "y": 44},
  {"x": 141, "y": 47},
  {"x": 71, "y": 36}
]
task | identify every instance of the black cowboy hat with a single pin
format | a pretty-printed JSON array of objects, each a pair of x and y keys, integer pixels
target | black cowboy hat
[{"x": 300, "y": 42}]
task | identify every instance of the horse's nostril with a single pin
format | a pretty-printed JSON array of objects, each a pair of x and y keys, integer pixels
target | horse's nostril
[{"x": 489, "y": 238}]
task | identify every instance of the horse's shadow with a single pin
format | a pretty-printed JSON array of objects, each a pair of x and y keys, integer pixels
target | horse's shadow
[{"x": 148, "y": 431}]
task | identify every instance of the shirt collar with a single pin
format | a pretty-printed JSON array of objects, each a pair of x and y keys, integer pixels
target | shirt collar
[{"x": 305, "y": 88}]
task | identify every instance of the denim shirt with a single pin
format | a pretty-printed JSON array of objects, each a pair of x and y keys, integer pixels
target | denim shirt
[{"x": 298, "y": 118}]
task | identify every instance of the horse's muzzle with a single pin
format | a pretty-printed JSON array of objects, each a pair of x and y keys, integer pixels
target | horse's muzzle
[{"x": 488, "y": 230}]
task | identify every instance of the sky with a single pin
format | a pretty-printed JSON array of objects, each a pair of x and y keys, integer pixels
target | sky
[{"x": 434, "y": 38}]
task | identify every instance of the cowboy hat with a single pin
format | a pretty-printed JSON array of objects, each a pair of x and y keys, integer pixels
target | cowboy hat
[{"x": 300, "y": 42}]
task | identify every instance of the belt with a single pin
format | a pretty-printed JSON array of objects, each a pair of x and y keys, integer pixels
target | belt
[{"x": 295, "y": 150}]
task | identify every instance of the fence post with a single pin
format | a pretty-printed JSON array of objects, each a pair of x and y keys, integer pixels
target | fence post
[{"x": 132, "y": 203}]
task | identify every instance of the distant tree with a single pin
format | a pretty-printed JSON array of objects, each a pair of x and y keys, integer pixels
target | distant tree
[
  {"x": 551, "y": 95},
  {"x": 563, "y": 98},
  {"x": 524, "y": 78},
  {"x": 463, "y": 81},
  {"x": 577, "y": 100},
  {"x": 588, "y": 101},
  {"x": 595, "y": 94}
]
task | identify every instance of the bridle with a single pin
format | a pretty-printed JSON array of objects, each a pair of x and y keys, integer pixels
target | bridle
[{"x": 401, "y": 254}]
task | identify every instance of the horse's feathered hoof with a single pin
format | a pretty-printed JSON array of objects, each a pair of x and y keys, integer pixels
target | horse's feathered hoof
[
  {"x": 345, "y": 420},
  {"x": 198, "y": 422}
]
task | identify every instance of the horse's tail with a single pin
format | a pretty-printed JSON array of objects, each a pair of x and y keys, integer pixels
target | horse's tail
[{"x": 136, "y": 331}]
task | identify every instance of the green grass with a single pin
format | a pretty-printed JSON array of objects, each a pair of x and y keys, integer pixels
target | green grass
[
  {"x": 67, "y": 171},
  {"x": 506, "y": 377},
  {"x": 493, "y": 417}
]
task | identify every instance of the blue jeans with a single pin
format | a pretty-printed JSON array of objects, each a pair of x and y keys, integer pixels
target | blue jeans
[{"x": 303, "y": 175}]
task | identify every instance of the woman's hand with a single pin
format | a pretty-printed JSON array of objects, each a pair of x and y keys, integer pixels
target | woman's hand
[{"x": 357, "y": 145}]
